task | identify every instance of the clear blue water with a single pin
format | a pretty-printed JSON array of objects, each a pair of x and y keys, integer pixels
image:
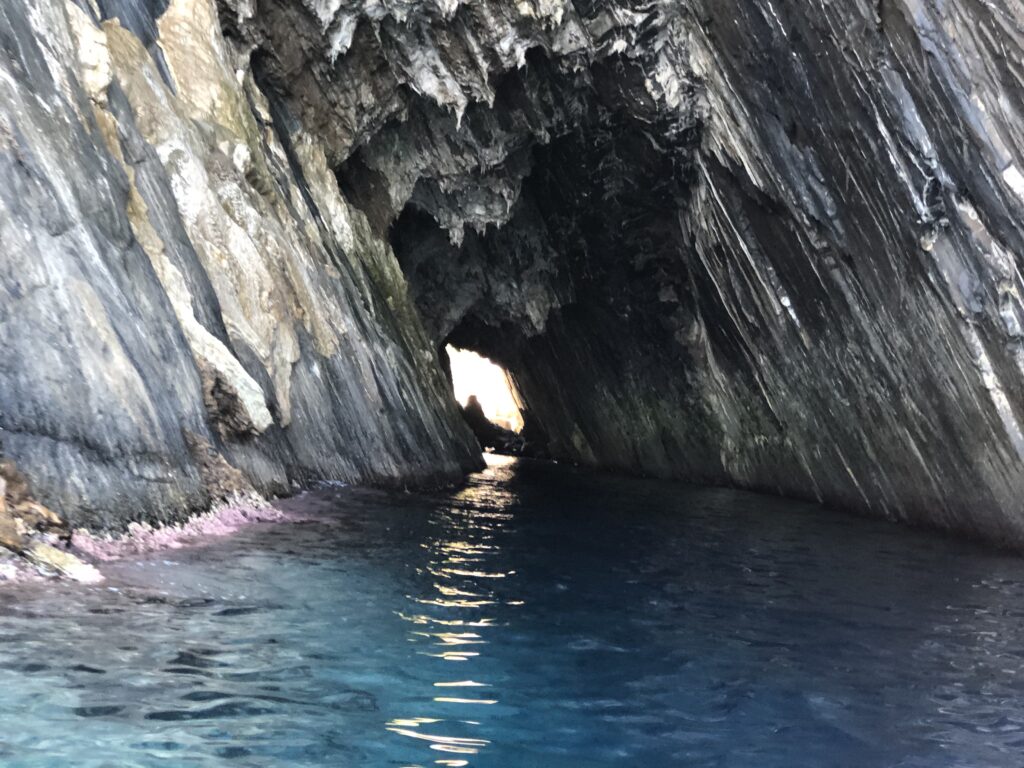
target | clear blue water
[{"x": 540, "y": 616}]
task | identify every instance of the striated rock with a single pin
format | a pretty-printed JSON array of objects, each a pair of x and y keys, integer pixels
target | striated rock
[
  {"x": 755, "y": 243},
  {"x": 178, "y": 258},
  {"x": 766, "y": 243}
]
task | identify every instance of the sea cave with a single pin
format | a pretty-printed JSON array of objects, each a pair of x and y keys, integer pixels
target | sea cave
[{"x": 512, "y": 382}]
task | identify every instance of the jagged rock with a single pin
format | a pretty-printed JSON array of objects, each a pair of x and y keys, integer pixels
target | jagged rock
[{"x": 761, "y": 243}]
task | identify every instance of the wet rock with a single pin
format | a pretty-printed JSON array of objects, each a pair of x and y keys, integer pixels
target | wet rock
[
  {"x": 62, "y": 563},
  {"x": 27, "y": 529}
]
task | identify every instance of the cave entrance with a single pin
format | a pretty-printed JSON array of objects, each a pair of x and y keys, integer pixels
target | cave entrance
[
  {"x": 475, "y": 376},
  {"x": 550, "y": 232}
]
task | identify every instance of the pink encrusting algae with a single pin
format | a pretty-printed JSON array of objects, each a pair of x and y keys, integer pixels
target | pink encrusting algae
[
  {"x": 43, "y": 562},
  {"x": 141, "y": 538},
  {"x": 18, "y": 571}
]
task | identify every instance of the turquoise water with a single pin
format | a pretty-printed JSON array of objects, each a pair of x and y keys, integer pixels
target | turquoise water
[{"x": 540, "y": 616}]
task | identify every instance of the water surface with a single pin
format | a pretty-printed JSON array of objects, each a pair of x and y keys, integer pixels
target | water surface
[{"x": 540, "y": 616}]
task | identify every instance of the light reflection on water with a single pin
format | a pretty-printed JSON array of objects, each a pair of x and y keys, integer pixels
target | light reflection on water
[
  {"x": 465, "y": 544},
  {"x": 539, "y": 617}
]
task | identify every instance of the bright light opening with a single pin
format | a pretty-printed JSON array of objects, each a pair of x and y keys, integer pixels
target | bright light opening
[{"x": 476, "y": 375}]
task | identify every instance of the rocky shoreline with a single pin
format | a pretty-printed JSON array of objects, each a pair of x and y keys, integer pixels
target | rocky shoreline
[
  {"x": 34, "y": 539},
  {"x": 36, "y": 544}
]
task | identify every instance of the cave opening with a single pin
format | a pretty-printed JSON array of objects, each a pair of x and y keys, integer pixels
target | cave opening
[
  {"x": 577, "y": 289},
  {"x": 477, "y": 379}
]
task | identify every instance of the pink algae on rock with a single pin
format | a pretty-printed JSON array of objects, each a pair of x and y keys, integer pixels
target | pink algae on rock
[
  {"x": 141, "y": 538},
  {"x": 18, "y": 571}
]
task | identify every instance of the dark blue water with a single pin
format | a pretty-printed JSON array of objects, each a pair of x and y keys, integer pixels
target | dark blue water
[{"x": 538, "y": 617}]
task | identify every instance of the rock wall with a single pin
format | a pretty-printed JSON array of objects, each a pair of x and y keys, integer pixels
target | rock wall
[
  {"x": 855, "y": 240},
  {"x": 849, "y": 301},
  {"x": 180, "y": 271},
  {"x": 765, "y": 243}
]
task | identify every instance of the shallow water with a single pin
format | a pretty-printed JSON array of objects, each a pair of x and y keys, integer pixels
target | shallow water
[{"x": 540, "y": 616}]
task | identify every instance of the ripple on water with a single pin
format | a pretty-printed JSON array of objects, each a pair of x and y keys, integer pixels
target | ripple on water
[{"x": 537, "y": 617}]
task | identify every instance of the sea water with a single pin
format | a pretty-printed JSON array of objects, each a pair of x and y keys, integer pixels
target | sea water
[{"x": 538, "y": 616}]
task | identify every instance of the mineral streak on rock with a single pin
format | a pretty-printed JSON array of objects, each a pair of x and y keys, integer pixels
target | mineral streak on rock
[{"x": 764, "y": 243}]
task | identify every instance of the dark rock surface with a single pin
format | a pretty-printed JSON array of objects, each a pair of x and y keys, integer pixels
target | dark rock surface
[
  {"x": 768, "y": 243},
  {"x": 487, "y": 433}
]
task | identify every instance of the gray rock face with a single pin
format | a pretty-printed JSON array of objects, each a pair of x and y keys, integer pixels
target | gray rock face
[
  {"x": 767, "y": 243},
  {"x": 179, "y": 269}
]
